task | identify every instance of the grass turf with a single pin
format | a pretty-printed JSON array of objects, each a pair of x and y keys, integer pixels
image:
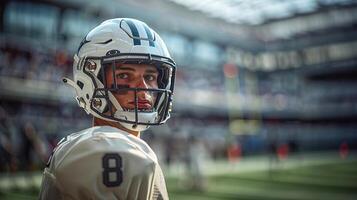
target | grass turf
[{"x": 324, "y": 181}]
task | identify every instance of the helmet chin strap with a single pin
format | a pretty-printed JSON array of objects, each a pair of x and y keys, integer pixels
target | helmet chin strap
[{"x": 142, "y": 117}]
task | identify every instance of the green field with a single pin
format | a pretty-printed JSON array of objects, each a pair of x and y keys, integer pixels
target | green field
[{"x": 327, "y": 180}]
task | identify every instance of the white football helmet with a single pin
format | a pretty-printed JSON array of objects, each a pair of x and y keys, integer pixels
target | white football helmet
[{"x": 122, "y": 40}]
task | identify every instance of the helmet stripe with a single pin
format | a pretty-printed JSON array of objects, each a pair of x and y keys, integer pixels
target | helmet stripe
[
  {"x": 148, "y": 33},
  {"x": 134, "y": 32},
  {"x": 84, "y": 41}
]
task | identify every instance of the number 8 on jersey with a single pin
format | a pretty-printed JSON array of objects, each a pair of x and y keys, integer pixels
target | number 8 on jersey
[{"x": 112, "y": 170}]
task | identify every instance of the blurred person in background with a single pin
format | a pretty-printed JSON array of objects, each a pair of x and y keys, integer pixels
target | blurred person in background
[
  {"x": 195, "y": 159},
  {"x": 124, "y": 77},
  {"x": 273, "y": 156},
  {"x": 234, "y": 151},
  {"x": 8, "y": 160},
  {"x": 32, "y": 143}
]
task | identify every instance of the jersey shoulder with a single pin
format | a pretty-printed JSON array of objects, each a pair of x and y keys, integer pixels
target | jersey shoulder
[
  {"x": 102, "y": 162},
  {"x": 100, "y": 139}
]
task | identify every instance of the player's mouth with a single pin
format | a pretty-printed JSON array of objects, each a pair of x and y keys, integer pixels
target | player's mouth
[{"x": 142, "y": 104}]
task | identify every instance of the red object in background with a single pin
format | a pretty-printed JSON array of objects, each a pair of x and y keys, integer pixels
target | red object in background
[
  {"x": 61, "y": 58},
  {"x": 234, "y": 152},
  {"x": 282, "y": 151},
  {"x": 230, "y": 70},
  {"x": 343, "y": 150}
]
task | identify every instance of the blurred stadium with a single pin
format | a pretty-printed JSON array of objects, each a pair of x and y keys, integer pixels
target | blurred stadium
[{"x": 265, "y": 100}]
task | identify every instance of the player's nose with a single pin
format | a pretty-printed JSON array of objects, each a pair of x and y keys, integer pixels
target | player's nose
[
  {"x": 143, "y": 94},
  {"x": 141, "y": 83}
]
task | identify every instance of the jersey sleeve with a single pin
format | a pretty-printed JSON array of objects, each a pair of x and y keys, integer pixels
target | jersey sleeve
[
  {"x": 102, "y": 166},
  {"x": 49, "y": 190},
  {"x": 49, "y": 185}
]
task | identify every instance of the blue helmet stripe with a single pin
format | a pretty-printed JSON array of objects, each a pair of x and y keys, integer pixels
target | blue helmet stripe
[
  {"x": 151, "y": 39},
  {"x": 134, "y": 32}
]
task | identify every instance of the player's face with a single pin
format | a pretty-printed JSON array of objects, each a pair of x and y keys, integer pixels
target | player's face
[{"x": 134, "y": 76}]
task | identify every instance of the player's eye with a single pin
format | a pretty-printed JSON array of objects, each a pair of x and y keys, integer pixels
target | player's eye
[
  {"x": 122, "y": 76},
  {"x": 150, "y": 77}
]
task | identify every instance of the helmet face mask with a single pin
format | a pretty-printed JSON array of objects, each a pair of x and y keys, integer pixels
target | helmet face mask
[
  {"x": 101, "y": 100},
  {"x": 115, "y": 111}
]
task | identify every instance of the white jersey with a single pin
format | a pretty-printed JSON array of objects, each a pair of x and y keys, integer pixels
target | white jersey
[{"x": 103, "y": 163}]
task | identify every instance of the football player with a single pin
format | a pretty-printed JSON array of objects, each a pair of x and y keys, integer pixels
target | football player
[{"x": 124, "y": 77}]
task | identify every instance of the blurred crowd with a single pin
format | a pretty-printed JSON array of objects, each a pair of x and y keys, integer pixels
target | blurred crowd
[
  {"x": 22, "y": 147},
  {"x": 50, "y": 64},
  {"x": 34, "y": 64}
]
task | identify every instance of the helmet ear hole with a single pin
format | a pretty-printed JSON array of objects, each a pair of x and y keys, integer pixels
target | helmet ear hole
[{"x": 80, "y": 84}]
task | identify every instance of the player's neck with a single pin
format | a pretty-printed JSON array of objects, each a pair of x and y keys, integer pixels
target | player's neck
[{"x": 101, "y": 122}]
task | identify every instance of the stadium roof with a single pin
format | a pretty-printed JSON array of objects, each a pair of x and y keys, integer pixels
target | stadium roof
[
  {"x": 252, "y": 25},
  {"x": 255, "y": 12}
]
